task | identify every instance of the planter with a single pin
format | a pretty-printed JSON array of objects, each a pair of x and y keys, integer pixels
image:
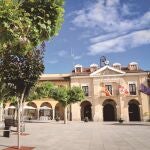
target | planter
[
  {"x": 57, "y": 118},
  {"x": 120, "y": 120}
]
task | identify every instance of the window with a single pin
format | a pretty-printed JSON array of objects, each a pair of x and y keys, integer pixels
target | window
[
  {"x": 132, "y": 89},
  {"x": 78, "y": 69},
  {"x": 109, "y": 88},
  {"x": 85, "y": 90}
]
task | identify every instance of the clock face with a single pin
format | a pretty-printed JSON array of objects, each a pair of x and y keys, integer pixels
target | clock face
[{"x": 106, "y": 62}]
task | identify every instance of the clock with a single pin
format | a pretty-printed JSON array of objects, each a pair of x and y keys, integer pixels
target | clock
[{"x": 106, "y": 62}]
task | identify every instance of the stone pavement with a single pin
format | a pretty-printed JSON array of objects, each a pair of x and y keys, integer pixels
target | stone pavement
[{"x": 83, "y": 136}]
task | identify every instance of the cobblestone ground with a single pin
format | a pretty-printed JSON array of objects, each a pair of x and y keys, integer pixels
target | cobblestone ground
[{"x": 82, "y": 136}]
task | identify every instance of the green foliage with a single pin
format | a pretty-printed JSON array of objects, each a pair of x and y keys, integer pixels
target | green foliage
[
  {"x": 26, "y": 24},
  {"x": 46, "y": 17},
  {"x": 41, "y": 90},
  {"x": 21, "y": 72},
  {"x": 60, "y": 94},
  {"x": 67, "y": 96},
  {"x": 5, "y": 92},
  {"x": 75, "y": 94},
  {"x": 14, "y": 27}
]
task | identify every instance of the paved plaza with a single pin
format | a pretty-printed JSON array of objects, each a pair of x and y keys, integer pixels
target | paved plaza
[{"x": 83, "y": 136}]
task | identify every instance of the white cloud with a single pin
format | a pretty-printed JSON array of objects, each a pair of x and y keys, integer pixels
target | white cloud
[
  {"x": 77, "y": 57},
  {"x": 115, "y": 31},
  {"x": 125, "y": 10},
  {"x": 109, "y": 17},
  {"x": 62, "y": 53},
  {"x": 121, "y": 43},
  {"x": 52, "y": 61}
]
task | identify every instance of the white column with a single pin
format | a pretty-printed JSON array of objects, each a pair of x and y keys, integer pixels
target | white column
[
  {"x": 126, "y": 113},
  {"x": 101, "y": 112},
  {"x": 53, "y": 113},
  {"x": 76, "y": 112},
  {"x": 38, "y": 114},
  {"x": 15, "y": 115},
  {"x": 119, "y": 113},
  {"x": 141, "y": 112},
  {"x": 98, "y": 113}
]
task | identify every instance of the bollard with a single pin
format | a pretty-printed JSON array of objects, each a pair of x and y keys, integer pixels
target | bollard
[{"x": 6, "y": 132}]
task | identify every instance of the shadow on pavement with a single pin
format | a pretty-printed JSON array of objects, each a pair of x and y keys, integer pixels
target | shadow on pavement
[{"x": 130, "y": 124}]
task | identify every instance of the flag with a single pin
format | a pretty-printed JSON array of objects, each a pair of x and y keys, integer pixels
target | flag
[
  {"x": 144, "y": 89},
  {"x": 123, "y": 90},
  {"x": 106, "y": 91}
]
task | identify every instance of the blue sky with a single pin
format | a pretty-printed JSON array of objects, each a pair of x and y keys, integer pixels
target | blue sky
[{"x": 117, "y": 29}]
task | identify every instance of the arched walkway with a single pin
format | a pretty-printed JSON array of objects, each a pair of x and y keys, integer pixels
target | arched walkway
[
  {"x": 33, "y": 112},
  {"x": 109, "y": 110},
  {"x": 46, "y": 110},
  {"x": 59, "y": 111},
  {"x": 134, "y": 110},
  {"x": 86, "y": 110}
]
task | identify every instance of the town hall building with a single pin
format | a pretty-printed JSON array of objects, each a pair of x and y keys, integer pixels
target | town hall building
[{"x": 111, "y": 93}]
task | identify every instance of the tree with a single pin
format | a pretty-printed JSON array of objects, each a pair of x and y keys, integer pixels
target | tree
[
  {"x": 67, "y": 96},
  {"x": 41, "y": 90},
  {"x": 20, "y": 73},
  {"x": 26, "y": 24}
]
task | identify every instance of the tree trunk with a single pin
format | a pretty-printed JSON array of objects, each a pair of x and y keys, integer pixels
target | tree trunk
[
  {"x": 65, "y": 115},
  {"x": 18, "y": 123},
  {"x": 20, "y": 115}
]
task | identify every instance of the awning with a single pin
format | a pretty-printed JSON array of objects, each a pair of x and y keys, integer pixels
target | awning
[
  {"x": 28, "y": 107},
  {"x": 11, "y": 107},
  {"x": 45, "y": 107}
]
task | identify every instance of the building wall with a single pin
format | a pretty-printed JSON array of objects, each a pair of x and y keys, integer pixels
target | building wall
[{"x": 97, "y": 97}]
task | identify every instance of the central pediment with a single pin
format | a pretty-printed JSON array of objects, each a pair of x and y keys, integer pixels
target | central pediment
[{"x": 107, "y": 70}]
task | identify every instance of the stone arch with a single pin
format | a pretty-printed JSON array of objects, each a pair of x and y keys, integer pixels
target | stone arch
[
  {"x": 86, "y": 110},
  {"x": 46, "y": 104},
  {"x": 46, "y": 110},
  {"x": 12, "y": 104},
  {"x": 59, "y": 111},
  {"x": 109, "y": 110},
  {"x": 32, "y": 104},
  {"x": 134, "y": 110},
  {"x": 31, "y": 113}
]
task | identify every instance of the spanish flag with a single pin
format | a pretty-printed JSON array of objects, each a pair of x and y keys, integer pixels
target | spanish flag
[{"x": 106, "y": 91}]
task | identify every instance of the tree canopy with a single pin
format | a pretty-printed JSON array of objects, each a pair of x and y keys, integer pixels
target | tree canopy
[
  {"x": 21, "y": 71},
  {"x": 26, "y": 24},
  {"x": 5, "y": 92},
  {"x": 67, "y": 96},
  {"x": 41, "y": 90}
]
